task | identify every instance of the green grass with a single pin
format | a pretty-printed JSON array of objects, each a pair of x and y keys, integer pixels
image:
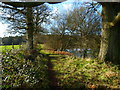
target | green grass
[
  {"x": 9, "y": 47},
  {"x": 76, "y": 73},
  {"x": 47, "y": 52},
  {"x": 44, "y": 52}
]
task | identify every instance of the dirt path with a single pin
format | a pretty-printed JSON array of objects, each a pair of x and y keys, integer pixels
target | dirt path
[{"x": 52, "y": 75}]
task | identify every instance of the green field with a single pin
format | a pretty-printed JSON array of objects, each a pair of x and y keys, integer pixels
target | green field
[{"x": 9, "y": 47}]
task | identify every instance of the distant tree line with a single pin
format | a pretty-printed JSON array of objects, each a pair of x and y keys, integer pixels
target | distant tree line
[{"x": 17, "y": 40}]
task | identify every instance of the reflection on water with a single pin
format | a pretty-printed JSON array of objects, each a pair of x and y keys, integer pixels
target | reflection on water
[{"x": 81, "y": 52}]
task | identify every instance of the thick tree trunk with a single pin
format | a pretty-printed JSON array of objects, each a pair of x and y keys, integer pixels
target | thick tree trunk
[
  {"x": 30, "y": 27},
  {"x": 110, "y": 40}
]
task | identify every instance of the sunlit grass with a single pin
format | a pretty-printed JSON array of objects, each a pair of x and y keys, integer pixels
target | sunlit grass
[
  {"x": 9, "y": 47},
  {"x": 45, "y": 52},
  {"x": 91, "y": 73}
]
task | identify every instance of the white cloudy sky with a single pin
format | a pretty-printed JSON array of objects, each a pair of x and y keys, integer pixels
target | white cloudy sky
[{"x": 3, "y": 28}]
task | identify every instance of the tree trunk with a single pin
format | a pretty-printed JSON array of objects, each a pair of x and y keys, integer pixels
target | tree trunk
[
  {"x": 84, "y": 53},
  {"x": 110, "y": 40},
  {"x": 30, "y": 27}
]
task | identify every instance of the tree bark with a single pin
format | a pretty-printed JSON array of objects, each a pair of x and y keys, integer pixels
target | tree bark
[
  {"x": 110, "y": 39},
  {"x": 30, "y": 27}
]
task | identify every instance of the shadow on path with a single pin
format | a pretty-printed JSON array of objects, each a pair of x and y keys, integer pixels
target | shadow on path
[{"x": 52, "y": 75}]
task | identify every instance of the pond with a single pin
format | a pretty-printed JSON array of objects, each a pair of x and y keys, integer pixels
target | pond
[{"x": 81, "y": 52}]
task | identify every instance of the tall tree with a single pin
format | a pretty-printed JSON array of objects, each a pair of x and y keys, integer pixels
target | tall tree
[
  {"x": 77, "y": 29},
  {"x": 110, "y": 41},
  {"x": 85, "y": 23},
  {"x": 26, "y": 20},
  {"x": 28, "y": 6},
  {"x": 59, "y": 39},
  {"x": 30, "y": 27}
]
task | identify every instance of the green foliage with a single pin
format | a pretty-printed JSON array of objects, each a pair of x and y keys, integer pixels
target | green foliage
[
  {"x": 91, "y": 73},
  {"x": 21, "y": 73}
]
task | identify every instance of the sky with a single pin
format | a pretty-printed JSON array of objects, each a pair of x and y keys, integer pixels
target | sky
[
  {"x": 3, "y": 28},
  {"x": 60, "y": 7}
]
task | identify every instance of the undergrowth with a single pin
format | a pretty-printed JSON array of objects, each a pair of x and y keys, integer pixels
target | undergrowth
[{"x": 17, "y": 72}]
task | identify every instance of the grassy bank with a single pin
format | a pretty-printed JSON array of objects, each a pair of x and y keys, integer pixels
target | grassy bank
[{"x": 86, "y": 73}]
